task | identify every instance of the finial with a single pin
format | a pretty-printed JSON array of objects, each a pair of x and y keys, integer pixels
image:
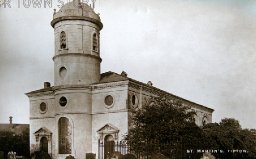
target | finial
[
  {"x": 150, "y": 83},
  {"x": 124, "y": 74},
  {"x": 93, "y": 4}
]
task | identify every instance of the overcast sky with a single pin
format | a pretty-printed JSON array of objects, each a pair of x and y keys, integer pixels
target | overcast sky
[{"x": 201, "y": 50}]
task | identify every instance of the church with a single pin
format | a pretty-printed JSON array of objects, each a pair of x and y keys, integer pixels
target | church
[{"x": 84, "y": 107}]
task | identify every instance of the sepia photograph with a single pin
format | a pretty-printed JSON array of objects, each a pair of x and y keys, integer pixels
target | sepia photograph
[{"x": 108, "y": 79}]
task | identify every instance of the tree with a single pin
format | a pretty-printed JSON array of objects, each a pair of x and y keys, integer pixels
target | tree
[
  {"x": 164, "y": 126},
  {"x": 19, "y": 143},
  {"x": 167, "y": 127},
  {"x": 230, "y": 137}
]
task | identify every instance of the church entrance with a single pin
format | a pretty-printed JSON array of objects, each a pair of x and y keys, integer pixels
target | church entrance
[
  {"x": 109, "y": 146},
  {"x": 44, "y": 144}
]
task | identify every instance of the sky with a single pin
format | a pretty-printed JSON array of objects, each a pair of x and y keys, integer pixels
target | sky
[{"x": 201, "y": 50}]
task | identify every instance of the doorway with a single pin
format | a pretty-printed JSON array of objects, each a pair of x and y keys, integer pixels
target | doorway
[
  {"x": 44, "y": 144},
  {"x": 109, "y": 146}
]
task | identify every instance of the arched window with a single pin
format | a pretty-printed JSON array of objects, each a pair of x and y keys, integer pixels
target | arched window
[
  {"x": 64, "y": 136},
  {"x": 63, "y": 40},
  {"x": 95, "y": 42}
]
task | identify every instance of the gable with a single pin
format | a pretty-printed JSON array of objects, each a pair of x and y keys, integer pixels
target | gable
[
  {"x": 43, "y": 131},
  {"x": 108, "y": 128},
  {"x": 111, "y": 77}
]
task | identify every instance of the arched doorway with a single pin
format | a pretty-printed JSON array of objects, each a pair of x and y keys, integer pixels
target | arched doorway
[
  {"x": 109, "y": 146},
  {"x": 44, "y": 144}
]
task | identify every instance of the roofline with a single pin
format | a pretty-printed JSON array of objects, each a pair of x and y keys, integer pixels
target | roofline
[
  {"x": 95, "y": 21},
  {"x": 138, "y": 82},
  {"x": 46, "y": 90},
  {"x": 77, "y": 54},
  {"x": 152, "y": 87},
  {"x": 52, "y": 89}
]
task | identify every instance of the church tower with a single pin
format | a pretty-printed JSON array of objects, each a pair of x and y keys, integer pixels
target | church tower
[
  {"x": 77, "y": 45},
  {"x": 61, "y": 115}
]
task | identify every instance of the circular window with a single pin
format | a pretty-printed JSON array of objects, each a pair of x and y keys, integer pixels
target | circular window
[
  {"x": 62, "y": 72},
  {"x": 109, "y": 100},
  {"x": 63, "y": 101},
  {"x": 43, "y": 107},
  {"x": 134, "y": 101}
]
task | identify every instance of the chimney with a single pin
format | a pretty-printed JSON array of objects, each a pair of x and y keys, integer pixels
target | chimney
[
  {"x": 10, "y": 119},
  {"x": 47, "y": 84}
]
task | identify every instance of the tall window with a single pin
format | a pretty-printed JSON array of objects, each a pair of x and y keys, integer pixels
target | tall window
[
  {"x": 63, "y": 40},
  {"x": 64, "y": 136},
  {"x": 95, "y": 42}
]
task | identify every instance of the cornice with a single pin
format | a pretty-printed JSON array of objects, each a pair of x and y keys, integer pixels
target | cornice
[
  {"x": 59, "y": 19},
  {"x": 72, "y": 87},
  {"x": 101, "y": 86},
  {"x": 41, "y": 92},
  {"x": 77, "y": 54},
  {"x": 52, "y": 90}
]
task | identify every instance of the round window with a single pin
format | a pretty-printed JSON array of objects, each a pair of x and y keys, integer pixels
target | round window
[
  {"x": 43, "y": 107},
  {"x": 133, "y": 100},
  {"x": 109, "y": 100},
  {"x": 62, "y": 72},
  {"x": 63, "y": 101}
]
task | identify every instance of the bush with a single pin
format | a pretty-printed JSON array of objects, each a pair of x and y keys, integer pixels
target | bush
[
  {"x": 129, "y": 156},
  {"x": 40, "y": 155},
  {"x": 90, "y": 156},
  {"x": 158, "y": 156}
]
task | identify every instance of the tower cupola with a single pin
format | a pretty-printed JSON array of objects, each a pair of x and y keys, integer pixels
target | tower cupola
[{"x": 77, "y": 44}]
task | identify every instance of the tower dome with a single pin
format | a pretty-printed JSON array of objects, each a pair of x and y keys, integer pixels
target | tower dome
[{"x": 76, "y": 10}]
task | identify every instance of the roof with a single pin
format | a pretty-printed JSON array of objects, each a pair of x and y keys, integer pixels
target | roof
[
  {"x": 76, "y": 10},
  {"x": 48, "y": 90},
  {"x": 109, "y": 77},
  {"x": 16, "y": 128}
]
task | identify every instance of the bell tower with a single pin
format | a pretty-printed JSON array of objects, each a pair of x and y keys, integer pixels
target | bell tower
[{"x": 77, "y": 44}]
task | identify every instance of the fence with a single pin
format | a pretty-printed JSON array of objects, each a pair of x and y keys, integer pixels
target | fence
[{"x": 108, "y": 149}]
